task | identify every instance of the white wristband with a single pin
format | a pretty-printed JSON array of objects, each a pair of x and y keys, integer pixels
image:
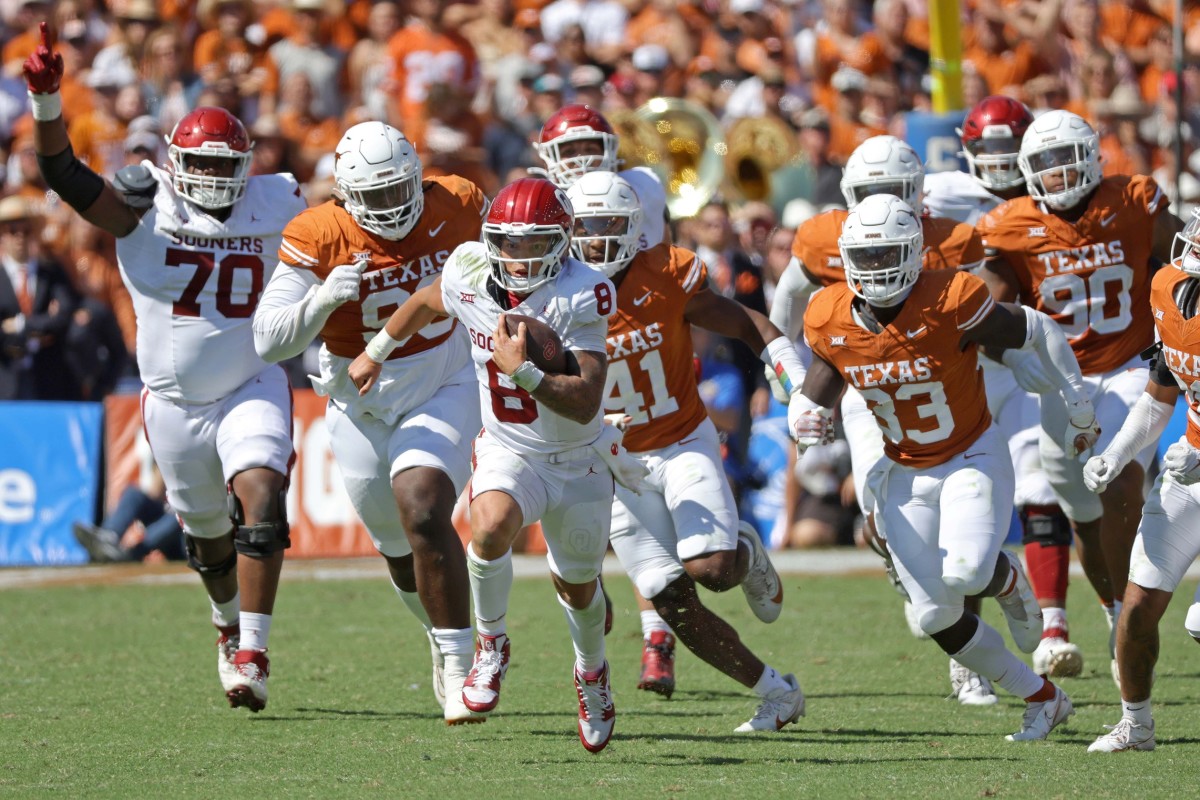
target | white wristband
[
  {"x": 780, "y": 354},
  {"x": 528, "y": 376},
  {"x": 45, "y": 107},
  {"x": 381, "y": 346}
]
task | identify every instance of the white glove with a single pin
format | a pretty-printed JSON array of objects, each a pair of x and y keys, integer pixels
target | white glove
[
  {"x": 1082, "y": 430},
  {"x": 1182, "y": 463},
  {"x": 342, "y": 286},
  {"x": 1029, "y": 371},
  {"x": 809, "y": 424},
  {"x": 777, "y": 389},
  {"x": 626, "y": 470},
  {"x": 1099, "y": 472}
]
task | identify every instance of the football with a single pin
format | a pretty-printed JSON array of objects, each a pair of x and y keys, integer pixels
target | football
[{"x": 542, "y": 344}]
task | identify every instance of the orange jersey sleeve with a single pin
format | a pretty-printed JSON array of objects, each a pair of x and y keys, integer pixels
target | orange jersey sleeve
[
  {"x": 950, "y": 244},
  {"x": 325, "y": 236},
  {"x": 651, "y": 376},
  {"x": 924, "y": 387},
  {"x": 815, "y": 244},
  {"x": 1092, "y": 277},
  {"x": 1180, "y": 343}
]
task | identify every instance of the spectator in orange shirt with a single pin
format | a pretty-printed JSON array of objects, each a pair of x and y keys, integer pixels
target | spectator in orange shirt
[
  {"x": 1115, "y": 117},
  {"x": 841, "y": 43},
  {"x": 223, "y": 51},
  {"x": 367, "y": 69},
  {"x": 1005, "y": 69},
  {"x": 99, "y": 135},
  {"x": 846, "y": 127},
  {"x": 909, "y": 63},
  {"x": 311, "y": 135},
  {"x": 16, "y": 50}
]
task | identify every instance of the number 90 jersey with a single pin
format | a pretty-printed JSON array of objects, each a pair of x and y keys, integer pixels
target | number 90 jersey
[
  {"x": 1092, "y": 277},
  {"x": 925, "y": 389},
  {"x": 195, "y": 282},
  {"x": 576, "y": 304}
]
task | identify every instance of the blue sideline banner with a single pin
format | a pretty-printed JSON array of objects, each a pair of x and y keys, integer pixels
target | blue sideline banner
[
  {"x": 935, "y": 138},
  {"x": 49, "y": 476}
]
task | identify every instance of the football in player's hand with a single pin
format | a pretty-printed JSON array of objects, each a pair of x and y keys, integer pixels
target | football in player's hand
[{"x": 542, "y": 345}]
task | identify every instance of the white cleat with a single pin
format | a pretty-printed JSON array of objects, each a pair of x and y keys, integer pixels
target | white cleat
[
  {"x": 762, "y": 587},
  {"x": 914, "y": 622},
  {"x": 439, "y": 664},
  {"x": 1021, "y": 608},
  {"x": 227, "y": 647},
  {"x": 1125, "y": 735},
  {"x": 1055, "y": 657},
  {"x": 777, "y": 709},
  {"x": 597, "y": 714},
  {"x": 251, "y": 668},
  {"x": 454, "y": 673},
  {"x": 970, "y": 688},
  {"x": 1041, "y": 718}
]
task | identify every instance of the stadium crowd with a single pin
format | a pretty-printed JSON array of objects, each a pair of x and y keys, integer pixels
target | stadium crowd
[{"x": 472, "y": 83}]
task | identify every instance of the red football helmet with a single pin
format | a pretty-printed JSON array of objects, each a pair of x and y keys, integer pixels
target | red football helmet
[
  {"x": 991, "y": 136},
  {"x": 530, "y": 222},
  {"x": 576, "y": 123},
  {"x": 210, "y": 132}
]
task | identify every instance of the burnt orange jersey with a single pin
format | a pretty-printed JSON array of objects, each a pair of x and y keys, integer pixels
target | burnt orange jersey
[
  {"x": 1091, "y": 276},
  {"x": 325, "y": 236},
  {"x": 1180, "y": 343},
  {"x": 651, "y": 376},
  {"x": 924, "y": 387},
  {"x": 948, "y": 245}
]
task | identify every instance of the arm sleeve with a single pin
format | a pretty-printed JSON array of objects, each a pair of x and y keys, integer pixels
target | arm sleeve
[
  {"x": 1145, "y": 424},
  {"x": 1043, "y": 335},
  {"x": 287, "y": 318},
  {"x": 793, "y": 285}
]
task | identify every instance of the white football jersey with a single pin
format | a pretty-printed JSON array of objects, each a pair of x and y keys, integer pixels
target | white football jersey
[
  {"x": 957, "y": 196},
  {"x": 653, "y": 197},
  {"x": 576, "y": 304},
  {"x": 195, "y": 282}
]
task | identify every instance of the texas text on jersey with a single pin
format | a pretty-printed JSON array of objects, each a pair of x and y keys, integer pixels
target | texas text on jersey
[{"x": 1180, "y": 338}]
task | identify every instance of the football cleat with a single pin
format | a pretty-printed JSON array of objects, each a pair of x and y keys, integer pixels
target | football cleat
[
  {"x": 597, "y": 715},
  {"x": 1125, "y": 735},
  {"x": 914, "y": 621},
  {"x": 481, "y": 689},
  {"x": 970, "y": 688},
  {"x": 658, "y": 664},
  {"x": 454, "y": 675},
  {"x": 1041, "y": 718},
  {"x": 777, "y": 709},
  {"x": 762, "y": 587},
  {"x": 227, "y": 647},
  {"x": 1055, "y": 657},
  {"x": 439, "y": 665},
  {"x": 1021, "y": 608},
  {"x": 250, "y": 680}
]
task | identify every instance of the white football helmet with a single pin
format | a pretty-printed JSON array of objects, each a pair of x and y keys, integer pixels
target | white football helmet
[
  {"x": 884, "y": 165},
  {"x": 608, "y": 212},
  {"x": 1060, "y": 146},
  {"x": 1185, "y": 250},
  {"x": 377, "y": 175},
  {"x": 881, "y": 245}
]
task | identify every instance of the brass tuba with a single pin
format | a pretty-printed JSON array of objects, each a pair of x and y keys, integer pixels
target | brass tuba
[
  {"x": 757, "y": 147},
  {"x": 686, "y": 149}
]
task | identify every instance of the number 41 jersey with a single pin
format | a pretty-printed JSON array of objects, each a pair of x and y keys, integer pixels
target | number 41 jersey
[{"x": 195, "y": 282}]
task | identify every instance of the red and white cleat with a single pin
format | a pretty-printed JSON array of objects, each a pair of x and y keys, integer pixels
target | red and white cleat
[
  {"x": 658, "y": 664},
  {"x": 227, "y": 647},
  {"x": 250, "y": 682},
  {"x": 597, "y": 715},
  {"x": 481, "y": 689}
]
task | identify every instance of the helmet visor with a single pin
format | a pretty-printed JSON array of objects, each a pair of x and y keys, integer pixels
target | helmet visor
[
  {"x": 875, "y": 258},
  {"x": 1064, "y": 155},
  {"x": 862, "y": 191}
]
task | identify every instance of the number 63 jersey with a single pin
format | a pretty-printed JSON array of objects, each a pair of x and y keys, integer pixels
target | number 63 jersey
[
  {"x": 195, "y": 282},
  {"x": 923, "y": 386}
]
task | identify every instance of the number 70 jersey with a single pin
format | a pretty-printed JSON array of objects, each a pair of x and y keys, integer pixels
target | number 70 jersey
[{"x": 195, "y": 282}]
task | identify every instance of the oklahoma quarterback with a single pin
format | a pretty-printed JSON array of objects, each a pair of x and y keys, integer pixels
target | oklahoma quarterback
[
  {"x": 908, "y": 340},
  {"x": 404, "y": 450}
]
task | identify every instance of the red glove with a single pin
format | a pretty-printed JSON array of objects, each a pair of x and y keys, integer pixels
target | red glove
[{"x": 44, "y": 69}]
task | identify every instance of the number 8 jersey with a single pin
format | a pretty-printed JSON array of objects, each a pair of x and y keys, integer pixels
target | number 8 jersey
[
  {"x": 923, "y": 386},
  {"x": 195, "y": 282},
  {"x": 1092, "y": 276}
]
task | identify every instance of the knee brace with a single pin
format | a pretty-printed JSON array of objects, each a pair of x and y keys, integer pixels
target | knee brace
[
  {"x": 261, "y": 539},
  {"x": 207, "y": 570},
  {"x": 1192, "y": 621},
  {"x": 1046, "y": 525},
  {"x": 935, "y": 619}
]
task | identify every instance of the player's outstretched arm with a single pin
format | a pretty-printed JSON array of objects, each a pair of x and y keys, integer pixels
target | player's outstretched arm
[
  {"x": 1145, "y": 425},
  {"x": 576, "y": 397},
  {"x": 810, "y": 412},
  {"x": 295, "y": 305},
  {"x": 423, "y": 307},
  {"x": 794, "y": 285},
  {"x": 78, "y": 186}
]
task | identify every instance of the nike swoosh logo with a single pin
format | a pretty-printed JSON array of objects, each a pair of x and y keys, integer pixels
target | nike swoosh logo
[
  {"x": 685, "y": 441},
  {"x": 1104, "y": 222},
  {"x": 643, "y": 298},
  {"x": 972, "y": 455},
  {"x": 435, "y": 231},
  {"x": 917, "y": 332}
]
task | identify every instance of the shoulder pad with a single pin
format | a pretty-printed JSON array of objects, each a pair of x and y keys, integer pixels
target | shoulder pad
[{"x": 137, "y": 186}]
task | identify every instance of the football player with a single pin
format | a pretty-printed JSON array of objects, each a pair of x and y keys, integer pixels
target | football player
[
  {"x": 683, "y": 527},
  {"x": 880, "y": 165},
  {"x": 404, "y": 450},
  {"x": 1081, "y": 248},
  {"x": 991, "y": 138},
  {"x": 908, "y": 340},
  {"x": 191, "y": 242},
  {"x": 1168, "y": 539},
  {"x": 544, "y": 453}
]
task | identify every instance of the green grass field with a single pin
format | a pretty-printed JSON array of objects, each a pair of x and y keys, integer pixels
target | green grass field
[{"x": 111, "y": 691}]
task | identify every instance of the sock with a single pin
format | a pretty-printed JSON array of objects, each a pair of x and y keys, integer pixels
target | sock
[
  {"x": 1112, "y": 611},
  {"x": 491, "y": 583},
  {"x": 1054, "y": 620},
  {"x": 413, "y": 603},
  {"x": 1048, "y": 566},
  {"x": 1138, "y": 712},
  {"x": 255, "y": 630},
  {"x": 1043, "y": 694},
  {"x": 987, "y": 655},
  {"x": 652, "y": 622},
  {"x": 770, "y": 681},
  {"x": 454, "y": 641},
  {"x": 587, "y": 632},
  {"x": 226, "y": 614}
]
